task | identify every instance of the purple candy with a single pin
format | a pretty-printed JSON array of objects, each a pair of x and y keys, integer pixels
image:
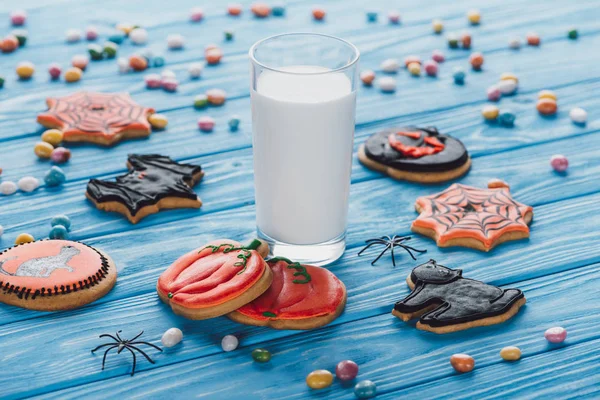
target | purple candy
[
  {"x": 556, "y": 335},
  {"x": 438, "y": 56},
  {"x": 560, "y": 164},
  {"x": 346, "y": 370},
  {"x": 60, "y": 155}
]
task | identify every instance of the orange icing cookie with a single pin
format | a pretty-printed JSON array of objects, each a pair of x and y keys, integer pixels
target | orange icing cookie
[
  {"x": 215, "y": 279},
  {"x": 300, "y": 297},
  {"x": 103, "y": 118},
  {"x": 471, "y": 217},
  {"x": 54, "y": 275}
]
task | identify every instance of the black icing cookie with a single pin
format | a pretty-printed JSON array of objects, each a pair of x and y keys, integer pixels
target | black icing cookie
[
  {"x": 447, "y": 302},
  {"x": 153, "y": 182}
]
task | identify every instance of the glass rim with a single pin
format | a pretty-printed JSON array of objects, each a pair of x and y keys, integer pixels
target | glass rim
[{"x": 274, "y": 69}]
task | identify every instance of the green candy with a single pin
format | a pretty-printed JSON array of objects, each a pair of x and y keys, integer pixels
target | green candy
[
  {"x": 110, "y": 49},
  {"x": 228, "y": 35},
  {"x": 21, "y": 35},
  {"x": 453, "y": 43},
  {"x": 201, "y": 101},
  {"x": 1, "y": 82},
  {"x": 261, "y": 355},
  {"x": 573, "y": 34},
  {"x": 96, "y": 52}
]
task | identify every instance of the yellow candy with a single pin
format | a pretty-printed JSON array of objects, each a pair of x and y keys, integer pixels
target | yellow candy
[
  {"x": 474, "y": 17},
  {"x": 319, "y": 379},
  {"x": 490, "y": 112},
  {"x": 73, "y": 74},
  {"x": 25, "y": 70},
  {"x": 52, "y": 136},
  {"x": 510, "y": 353},
  {"x": 509, "y": 76},
  {"x": 414, "y": 68},
  {"x": 24, "y": 238},
  {"x": 125, "y": 28},
  {"x": 43, "y": 149},
  {"x": 547, "y": 94},
  {"x": 158, "y": 121},
  {"x": 438, "y": 26}
]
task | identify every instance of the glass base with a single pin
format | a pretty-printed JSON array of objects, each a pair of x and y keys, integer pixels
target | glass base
[{"x": 311, "y": 254}]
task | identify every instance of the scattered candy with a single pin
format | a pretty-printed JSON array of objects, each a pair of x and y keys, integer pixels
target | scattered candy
[
  {"x": 557, "y": 334},
  {"x": 175, "y": 41},
  {"x": 196, "y": 14},
  {"x": 28, "y": 184},
  {"x": 168, "y": 74},
  {"x": 452, "y": 41},
  {"x": 476, "y": 60},
  {"x": 234, "y": 9},
  {"x": 319, "y": 379},
  {"x": 507, "y": 118},
  {"x": 572, "y": 34},
  {"x": 52, "y": 136},
  {"x": 493, "y": 93},
  {"x": 96, "y": 52},
  {"x": 54, "y": 71},
  {"x": 346, "y": 370},
  {"x": 437, "y": 25},
  {"x": 169, "y": 84},
  {"x": 9, "y": 44},
  {"x": 117, "y": 37},
  {"x": 43, "y": 149},
  {"x": 509, "y": 76},
  {"x": 372, "y": 16},
  {"x": 158, "y": 61},
  {"x": 91, "y": 33},
  {"x": 391, "y": 65},
  {"x": 507, "y": 86},
  {"x": 138, "y": 36},
  {"x": 73, "y": 74},
  {"x": 431, "y": 68},
  {"x": 510, "y": 353},
  {"x": 1, "y": 81},
  {"x": 234, "y": 123},
  {"x": 547, "y": 94},
  {"x": 137, "y": 62},
  {"x": 497, "y": 183},
  {"x": 8, "y": 187},
  {"x": 387, "y": 84},
  {"x": 228, "y": 35},
  {"x": 278, "y": 10},
  {"x": 110, "y": 49},
  {"x": 578, "y": 115},
  {"x": 213, "y": 56},
  {"x": 18, "y": 17},
  {"x": 21, "y": 35},
  {"x": 547, "y": 106},
  {"x": 474, "y": 17},
  {"x": 533, "y": 39},
  {"x": 60, "y": 155},
  {"x": 490, "y": 112},
  {"x": 459, "y": 75},
  {"x": 152, "y": 81},
  {"x": 73, "y": 35},
  {"x": 206, "y": 124},
  {"x": 195, "y": 70},
  {"x": 466, "y": 40},
  {"x": 367, "y": 77},
  {"x": 25, "y": 70},
  {"x": 318, "y": 14},
  {"x": 55, "y": 176},
  {"x": 229, "y": 343},
  {"x": 462, "y": 362},
  {"x": 559, "y": 163},
  {"x": 59, "y": 232},
  {"x": 171, "y": 337},
  {"x": 365, "y": 389},
  {"x": 61, "y": 220},
  {"x": 158, "y": 121},
  {"x": 514, "y": 43},
  {"x": 261, "y": 355},
  {"x": 438, "y": 56},
  {"x": 414, "y": 69},
  {"x": 80, "y": 61},
  {"x": 24, "y": 238},
  {"x": 200, "y": 101},
  {"x": 260, "y": 10},
  {"x": 125, "y": 28},
  {"x": 394, "y": 17}
]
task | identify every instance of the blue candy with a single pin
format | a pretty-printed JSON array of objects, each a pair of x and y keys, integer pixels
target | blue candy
[
  {"x": 365, "y": 390},
  {"x": 459, "y": 75},
  {"x": 158, "y": 61},
  {"x": 278, "y": 10},
  {"x": 61, "y": 220},
  {"x": 507, "y": 118},
  {"x": 59, "y": 232},
  {"x": 55, "y": 176},
  {"x": 234, "y": 123},
  {"x": 117, "y": 37},
  {"x": 372, "y": 16}
]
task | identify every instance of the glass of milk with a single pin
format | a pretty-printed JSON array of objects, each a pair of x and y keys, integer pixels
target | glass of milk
[{"x": 303, "y": 90}]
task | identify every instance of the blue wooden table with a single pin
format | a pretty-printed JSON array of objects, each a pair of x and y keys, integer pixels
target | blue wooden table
[{"x": 48, "y": 354}]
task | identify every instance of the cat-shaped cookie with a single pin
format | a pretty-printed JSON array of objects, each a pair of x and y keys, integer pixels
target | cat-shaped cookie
[{"x": 44, "y": 266}]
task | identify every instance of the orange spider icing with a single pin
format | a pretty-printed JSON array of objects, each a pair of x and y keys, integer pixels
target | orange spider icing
[{"x": 435, "y": 146}]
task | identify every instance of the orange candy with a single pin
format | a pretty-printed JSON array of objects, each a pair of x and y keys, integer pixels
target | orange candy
[
  {"x": 533, "y": 39},
  {"x": 138, "y": 63},
  {"x": 318, "y": 14},
  {"x": 216, "y": 97},
  {"x": 9, "y": 44},
  {"x": 213, "y": 56},
  {"x": 462, "y": 362},
  {"x": 547, "y": 106},
  {"x": 476, "y": 61},
  {"x": 234, "y": 9},
  {"x": 260, "y": 10}
]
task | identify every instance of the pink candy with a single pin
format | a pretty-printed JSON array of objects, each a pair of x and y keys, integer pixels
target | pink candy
[
  {"x": 556, "y": 335},
  {"x": 346, "y": 370},
  {"x": 367, "y": 77},
  {"x": 153, "y": 81},
  {"x": 560, "y": 164},
  {"x": 54, "y": 71},
  {"x": 431, "y": 68},
  {"x": 494, "y": 93},
  {"x": 60, "y": 155},
  {"x": 206, "y": 124},
  {"x": 18, "y": 18},
  {"x": 169, "y": 84},
  {"x": 196, "y": 14},
  {"x": 438, "y": 56},
  {"x": 394, "y": 17},
  {"x": 91, "y": 33}
]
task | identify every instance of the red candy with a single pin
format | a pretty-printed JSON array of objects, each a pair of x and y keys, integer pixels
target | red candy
[
  {"x": 346, "y": 370},
  {"x": 54, "y": 71},
  {"x": 318, "y": 14}
]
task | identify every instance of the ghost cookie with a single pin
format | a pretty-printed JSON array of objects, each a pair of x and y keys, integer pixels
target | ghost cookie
[
  {"x": 415, "y": 154},
  {"x": 446, "y": 302},
  {"x": 216, "y": 279},
  {"x": 154, "y": 182},
  {"x": 53, "y": 275},
  {"x": 300, "y": 297}
]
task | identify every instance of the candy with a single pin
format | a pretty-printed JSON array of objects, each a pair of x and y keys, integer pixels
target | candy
[
  {"x": 52, "y": 136},
  {"x": 476, "y": 60},
  {"x": 474, "y": 17},
  {"x": 206, "y": 124},
  {"x": 431, "y": 68},
  {"x": 578, "y": 115},
  {"x": 171, "y": 337},
  {"x": 73, "y": 35},
  {"x": 466, "y": 40},
  {"x": 158, "y": 121},
  {"x": 414, "y": 69},
  {"x": 394, "y": 17},
  {"x": 391, "y": 65},
  {"x": 514, "y": 43},
  {"x": 462, "y": 362},
  {"x": 55, "y": 176},
  {"x": 490, "y": 112},
  {"x": 73, "y": 74},
  {"x": 318, "y": 14},
  {"x": 138, "y": 36},
  {"x": 9, "y": 44},
  {"x": 509, "y": 76},
  {"x": 372, "y": 16},
  {"x": 1, "y": 81},
  {"x": 437, "y": 25},
  {"x": 169, "y": 84},
  {"x": 24, "y": 238},
  {"x": 8, "y": 187},
  {"x": 216, "y": 97},
  {"x": 228, "y": 35},
  {"x": 96, "y": 52},
  {"x": 125, "y": 27},
  {"x": 438, "y": 56},
  {"x": 559, "y": 163},
  {"x": 152, "y": 81},
  {"x": 572, "y": 34},
  {"x": 229, "y": 343},
  {"x": 319, "y": 379},
  {"x": 110, "y": 49},
  {"x": 80, "y": 61},
  {"x": 234, "y": 123},
  {"x": 533, "y": 39},
  {"x": 507, "y": 86},
  {"x": 459, "y": 75},
  {"x": 365, "y": 389},
  {"x": 452, "y": 41},
  {"x": 200, "y": 101},
  {"x": 547, "y": 106},
  {"x": 260, "y": 10},
  {"x": 54, "y": 71},
  {"x": 21, "y": 35},
  {"x": 346, "y": 370},
  {"x": 261, "y": 355},
  {"x": 547, "y": 94},
  {"x": 61, "y": 220},
  {"x": 117, "y": 37},
  {"x": 510, "y": 353},
  {"x": 278, "y": 10},
  {"x": 557, "y": 334},
  {"x": 411, "y": 59},
  {"x": 1, "y": 230},
  {"x": 196, "y": 14},
  {"x": 18, "y": 17},
  {"x": 167, "y": 74},
  {"x": 493, "y": 93},
  {"x": 497, "y": 183},
  {"x": 387, "y": 84},
  {"x": 91, "y": 33},
  {"x": 25, "y": 70},
  {"x": 213, "y": 56},
  {"x": 28, "y": 184},
  {"x": 175, "y": 41},
  {"x": 507, "y": 118},
  {"x": 59, "y": 232},
  {"x": 43, "y": 149},
  {"x": 367, "y": 77},
  {"x": 234, "y": 9},
  {"x": 137, "y": 62},
  {"x": 195, "y": 70}
]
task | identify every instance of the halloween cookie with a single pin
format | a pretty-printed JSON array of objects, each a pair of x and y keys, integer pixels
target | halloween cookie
[
  {"x": 446, "y": 302},
  {"x": 216, "y": 279},
  {"x": 470, "y": 217},
  {"x": 102, "y": 118},
  {"x": 53, "y": 275},
  {"x": 154, "y": 182},
  {"x": 300, "y": 297},
  {"x": 415, "y": 154}
]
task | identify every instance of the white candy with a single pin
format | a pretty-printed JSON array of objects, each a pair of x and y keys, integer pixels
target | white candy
[
  {"x": 390, "y": 65},
  {"x": 514, "y": 43},
  {"x": 8, "y": 187},
  {"x": 167, "y": 74},
  {"x": 73, "y": 35},
  {"x": 175, "y": 41},
  {"x": 229, "y": 343},
  {"x": 387, "y": 84},
  {"x": 123, "y": 65},
  {"x": 172, "y": 337},
  {"x": 578, "y": 115},
  {"x": 138, "y": 36},
  {"x": 1, "y": 230},
  {"x": 28, "y": 183},
  {"x": 507, "y": 86},
  {"x": 195, "y": 70}
]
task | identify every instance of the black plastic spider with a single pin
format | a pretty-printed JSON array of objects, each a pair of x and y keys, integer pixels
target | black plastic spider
[
  {"x": 121, "y": 344},
  {"x": 390, "y": 243}
]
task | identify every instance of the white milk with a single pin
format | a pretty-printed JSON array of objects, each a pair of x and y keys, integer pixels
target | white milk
[{"x": 303, "y": 138}]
